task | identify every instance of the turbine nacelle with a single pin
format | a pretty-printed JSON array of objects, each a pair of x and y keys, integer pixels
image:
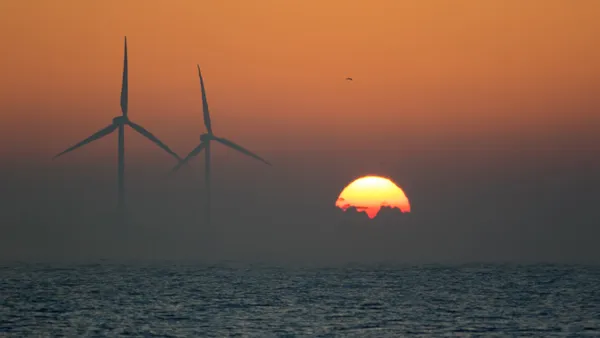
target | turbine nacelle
[
  {"x": 205, "y": 144},
  {"x": 205, "y": 137},
  {"x": 120, "y": 120}
]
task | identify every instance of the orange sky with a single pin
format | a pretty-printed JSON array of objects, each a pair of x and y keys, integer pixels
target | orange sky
[{"x": 275, "y": 69}]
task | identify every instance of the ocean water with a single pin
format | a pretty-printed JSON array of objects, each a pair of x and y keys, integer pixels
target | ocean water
[{"x": 253, "y": 300}]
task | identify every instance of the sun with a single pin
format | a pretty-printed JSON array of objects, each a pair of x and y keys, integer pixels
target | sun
[{"x": 370, "y": 193}]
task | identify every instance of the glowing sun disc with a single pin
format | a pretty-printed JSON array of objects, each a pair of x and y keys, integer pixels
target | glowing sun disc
[{"x": 370, "y": 193}]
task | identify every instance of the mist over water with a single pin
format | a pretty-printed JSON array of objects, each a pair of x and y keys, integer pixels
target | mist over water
[{"x": 65, "y": 212}]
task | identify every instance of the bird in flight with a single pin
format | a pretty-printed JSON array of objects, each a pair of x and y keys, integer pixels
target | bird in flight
[{"x": 348, "y": 79}]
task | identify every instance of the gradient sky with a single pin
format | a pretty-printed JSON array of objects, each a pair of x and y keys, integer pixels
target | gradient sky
[{"x": 486, "y": 113}]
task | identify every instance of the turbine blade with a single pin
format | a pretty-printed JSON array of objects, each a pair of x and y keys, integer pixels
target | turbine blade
[
  {"x": 125, "y": 84},
  {"x": 97, "y": 135},
  {"x": 152, "y": 138},
  {"x": 204, "y": 103},
  {"x": 193, "y": 153},
  {"x": 240, "y": 149}
]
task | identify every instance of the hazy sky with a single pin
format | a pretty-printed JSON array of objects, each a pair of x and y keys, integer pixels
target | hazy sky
[{"x": 485, "y": 112}]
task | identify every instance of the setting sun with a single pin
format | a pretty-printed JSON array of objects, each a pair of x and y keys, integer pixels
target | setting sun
[{"x": 370, "y": 193}]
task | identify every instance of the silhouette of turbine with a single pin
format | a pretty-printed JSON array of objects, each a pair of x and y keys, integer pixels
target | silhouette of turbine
[
  {"x": 120, "y": 122},
  {"x": 205, "y": 140}
]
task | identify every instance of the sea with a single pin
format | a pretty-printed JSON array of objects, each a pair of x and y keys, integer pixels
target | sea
[{"x": 229, "y": 299}]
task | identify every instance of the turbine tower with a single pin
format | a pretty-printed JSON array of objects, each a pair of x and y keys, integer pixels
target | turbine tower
[
  {"x": 119, "y": 123},
  {"x": 205, "y": 140}
]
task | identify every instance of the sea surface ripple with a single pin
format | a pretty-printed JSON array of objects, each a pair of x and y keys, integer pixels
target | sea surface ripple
[{"x": 195, "y": 300}]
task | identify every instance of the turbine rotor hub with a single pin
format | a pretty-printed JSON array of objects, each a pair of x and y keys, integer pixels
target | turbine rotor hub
[
  {"x": 119, "y": 120},
  {"x": 205, "y": 137}
]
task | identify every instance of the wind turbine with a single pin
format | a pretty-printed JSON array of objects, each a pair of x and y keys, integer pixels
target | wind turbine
[
  {"x": 205, "y": 140},
  {"x": 119, "y": 123}
]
